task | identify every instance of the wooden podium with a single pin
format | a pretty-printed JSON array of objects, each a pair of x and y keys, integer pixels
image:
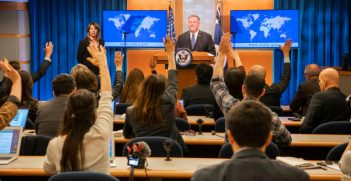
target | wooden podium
[{"x": 186, "y": 75}]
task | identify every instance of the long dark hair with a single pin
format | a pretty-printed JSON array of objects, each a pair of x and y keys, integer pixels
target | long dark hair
[
  {"x": 27, "y": 86},
  {"x": 131, "y": 87},
  {"x": 147, "y": 106},
  {"x": 80, "y": 115},
  {"x": 97, "y": 26}
]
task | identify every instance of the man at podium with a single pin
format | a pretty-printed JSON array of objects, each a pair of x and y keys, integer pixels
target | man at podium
[{"x": 194, "y": 39}]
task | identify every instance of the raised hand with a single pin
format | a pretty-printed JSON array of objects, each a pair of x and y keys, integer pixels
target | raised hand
[
  {"x": 9, "y": 71},
  {"x": 152, "y": 64},
  {"x": 119, "y": 57},
  {"x": 225, "y": 43},
  {"x": 169, "y": 44},
  {"x": 98, "y": 55},
  {"x": 286, "y": 48},
  {"x": 48, "y": 49}
]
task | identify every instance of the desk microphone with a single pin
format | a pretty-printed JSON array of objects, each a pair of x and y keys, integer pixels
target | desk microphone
[
  {"x": 167, "y": 145},
  {"x": 199, "y": 123}
]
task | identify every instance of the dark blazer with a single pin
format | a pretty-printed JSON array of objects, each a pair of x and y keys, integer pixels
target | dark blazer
[
  {"x": 136, "y": 128},
  {"x": 49, "y": 116},
  {"x": 41, "y": 71},
  {"x": 250, "y": 165},
  {"x": 83, "y": 54},
  {"x": 275, "y": 91},
  {"x": 326, "y": 106},
  {"x": 204, "y": 42},
  {"x": 304, "y": 95},
  {"x": 201, "y": 94}
]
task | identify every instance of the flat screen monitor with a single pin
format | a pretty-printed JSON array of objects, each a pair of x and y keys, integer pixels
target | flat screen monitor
[
  {"x": 264, "y": 28},
  {"x": 134, "y": 28}
]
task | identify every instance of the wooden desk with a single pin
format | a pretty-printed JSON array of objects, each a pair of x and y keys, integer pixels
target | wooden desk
[
  {"x": 289, "y": 123},
  {"x": 298, "y": 140},
  {"x": 157, "y": 168},
  {"x": 210, "y": 121},
  {"x": 191, "y": 120}
]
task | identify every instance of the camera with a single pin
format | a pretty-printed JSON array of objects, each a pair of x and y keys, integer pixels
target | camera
[
  {"x": 136, "y": 161},
  {"x": 133, "y": 160}
]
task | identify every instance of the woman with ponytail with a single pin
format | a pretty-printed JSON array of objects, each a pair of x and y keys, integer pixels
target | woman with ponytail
[{"x": 82, "y": 144}]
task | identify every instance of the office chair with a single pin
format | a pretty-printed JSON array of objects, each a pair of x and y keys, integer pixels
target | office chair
[
  {"x": 156, "y": 145},
  {"x": 34, "y": 145},
  {"x": 336, "y": 152},
  {"x": 182, "y": 124},
  {"x": 200, "y": 110},
  {"x": 121, "y": 108},
  {"x": 220, "y": 125},
  {"x": 335, "y": 127},
  {"x": 82, "y": 175}
]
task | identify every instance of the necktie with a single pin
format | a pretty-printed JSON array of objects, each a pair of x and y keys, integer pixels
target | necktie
[{"x": 192, "y": 41}]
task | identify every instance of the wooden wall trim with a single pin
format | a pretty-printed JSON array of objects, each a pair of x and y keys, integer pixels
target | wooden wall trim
[
  {"x": 14, "y": 35},
  {"x": 13, "y": 6}
]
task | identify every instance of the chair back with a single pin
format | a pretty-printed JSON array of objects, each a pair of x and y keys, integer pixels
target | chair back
[
  {"x": 200, "y": 110},
  {"x": 220, "y": 125},
  {"x": 277, "y": 110},
  {"x": 121, "y": 108},
  {"x": 34, "y": 145},
  {"x": 182, "y": 124},
  {"x": 272, "y": 151},
  {"x": 156, "y": 145},
  {"x": 82, "y": 175},
  {"x": 336, "y": 152},
  {"x": 335, "y": 127}
]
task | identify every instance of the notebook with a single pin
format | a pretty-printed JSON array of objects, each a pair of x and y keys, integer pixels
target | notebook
[
  {"x": 20, "y": 119},
  {"x": 10, "y": 142}
]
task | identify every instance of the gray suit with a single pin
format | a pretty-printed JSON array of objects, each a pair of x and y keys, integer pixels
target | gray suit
[
  {"x": 250, "y": 164},
  {"x": 49, "y": 116}
]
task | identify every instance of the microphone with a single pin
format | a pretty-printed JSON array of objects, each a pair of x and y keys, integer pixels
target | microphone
[
  {"x": 138, "y": 153},
  {"x": 199, "y": 123},
  {"x": 167, "y": 145}
]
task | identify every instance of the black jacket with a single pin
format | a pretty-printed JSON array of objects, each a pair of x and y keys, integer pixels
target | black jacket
[
  {"x": 304, "y": 95},
  {"x": 326, "y": 106},
  {"x": 83, "y": 54},
  {"x": 275, "y": 91},
  {"x": 204, "y": 42}
]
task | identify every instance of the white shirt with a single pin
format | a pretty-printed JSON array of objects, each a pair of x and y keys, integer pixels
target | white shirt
[
  {"x": 95, "y": 142},
  {"x": 196, "y": 33}
]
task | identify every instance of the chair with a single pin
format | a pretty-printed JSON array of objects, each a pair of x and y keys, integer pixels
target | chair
[
  {"x": 34, "y": 145},
  {"x": 156, "y": 145},
  {"x": 336, "y": 152},
  {"x": 335, "y": 127},
  {"x": 272, "y": 151},
  {"x": 200, "y": 110},
  {"x": 277, "y": 110},
  {"x": 220, "y": 125},
  {"x": 81, "y": 175},
  {"x": 182, "y": 124},
  {"x": 121, "y": 108}
]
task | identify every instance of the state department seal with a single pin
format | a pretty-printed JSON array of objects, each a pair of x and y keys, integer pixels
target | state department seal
[{"x": 183, "y": 57}]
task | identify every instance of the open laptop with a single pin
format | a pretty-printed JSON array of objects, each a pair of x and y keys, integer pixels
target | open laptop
[
  {"x": 10, "y": 142},
  {"x": 20, "y": 119},
  {"x": 112, "y": 153}
]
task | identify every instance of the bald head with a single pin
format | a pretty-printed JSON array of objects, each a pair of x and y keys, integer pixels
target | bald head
[
  {"x": 258, "y": 70},
  {"x": 328, "y": 78},
  {"x": 312, "y": 71}
]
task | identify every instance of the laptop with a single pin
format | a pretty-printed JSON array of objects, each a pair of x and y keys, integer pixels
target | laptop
[
  {"x": 112, "y": 153},
  {"x": 10, "y": 142},
  {"x": 20, "y": 119}
]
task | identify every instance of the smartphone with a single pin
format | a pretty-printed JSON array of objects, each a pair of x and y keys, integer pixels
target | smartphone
[{"x": 133, "y": 161}]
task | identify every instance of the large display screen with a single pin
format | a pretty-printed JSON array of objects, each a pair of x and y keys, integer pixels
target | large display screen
[
  {"x": 134, "y": 28},
  {"x": 264, "y": 28}
]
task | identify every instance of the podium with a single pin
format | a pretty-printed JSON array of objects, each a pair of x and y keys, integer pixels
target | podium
[{"x": 186, "y": 75}]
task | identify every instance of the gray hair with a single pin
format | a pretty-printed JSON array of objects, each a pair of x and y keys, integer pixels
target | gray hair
[{"x": 194, "y": 15}]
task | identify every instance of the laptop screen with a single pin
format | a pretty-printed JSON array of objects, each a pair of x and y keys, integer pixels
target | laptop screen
[
  {"x": 9, "y": 141},
  {"x": 20, "y": 118}
]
